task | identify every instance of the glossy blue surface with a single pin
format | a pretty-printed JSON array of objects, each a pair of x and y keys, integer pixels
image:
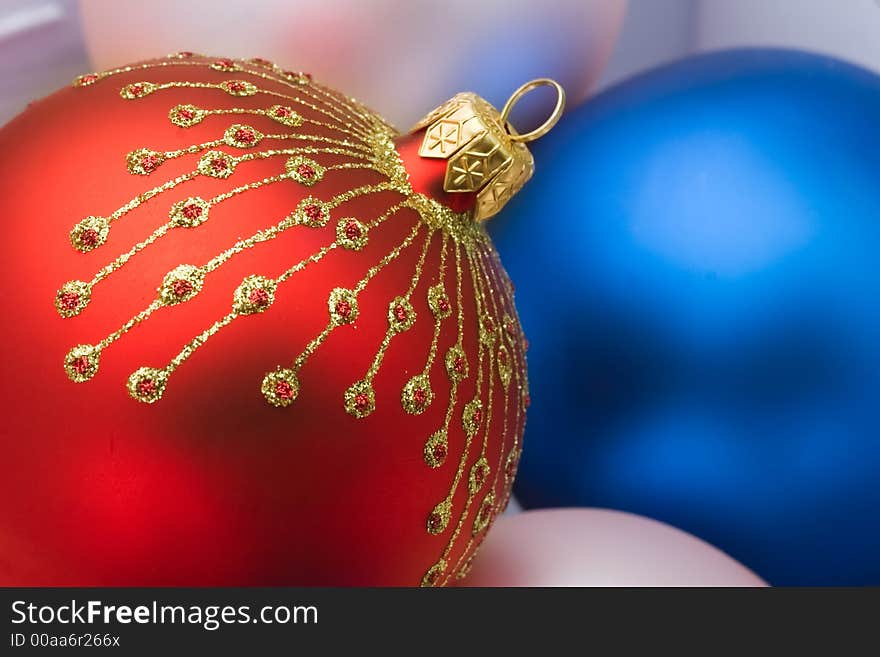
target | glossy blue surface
[{"x": 698, "y": 271}]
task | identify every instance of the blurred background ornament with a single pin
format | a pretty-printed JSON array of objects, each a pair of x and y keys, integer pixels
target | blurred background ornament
[
  {"x": 653, "y": 33},
  {"x": 596, "y": 547},
  {"x": 41, "y": 48},
  {"x": 397, "y": 56},
  {"x": 848, "y": 30},
  {"x": 702, "y": 306}
]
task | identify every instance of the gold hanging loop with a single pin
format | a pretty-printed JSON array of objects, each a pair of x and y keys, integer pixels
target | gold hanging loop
[{"x": 545, "y": 127}]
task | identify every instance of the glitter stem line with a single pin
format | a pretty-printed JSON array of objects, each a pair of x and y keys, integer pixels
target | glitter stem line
[
  {"x": 371, "y": 272},
  {"x": 390, "y": 332}
]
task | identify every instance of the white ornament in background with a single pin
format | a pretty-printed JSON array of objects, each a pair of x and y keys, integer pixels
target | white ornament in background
[
  {"x": 654, "y": 33},
  {"x": 398, "y": 56},
  {"x": 849, "y": 30},
  {"x": 599, "y": 547},
  {"x": 513, "y": 507},
  {"x": 40, "y": 50},
  {"x": 21, "y": 20}
]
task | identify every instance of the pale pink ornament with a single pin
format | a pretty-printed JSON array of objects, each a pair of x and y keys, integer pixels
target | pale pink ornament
[{"x": 597, "y": 547}]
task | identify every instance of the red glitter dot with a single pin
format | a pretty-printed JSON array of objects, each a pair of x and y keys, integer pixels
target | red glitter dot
[
  {"x": 146, "y": 387},
  {"x": 306, "y": 171},
  {"x": 485, "y": 511},
  {"x": 400, "y": 313},
  {"x": 489, "y": 324},
  {"x": 420, "y": 396},
  {"x": 432, "y": 577},
  {"x": 88, "y": 79},
  {"x": 525, "y": 344},
  {"x": 502, "y": 357},
  {"x": 439, "y": 452},
  {"x": 283, "y": 112},
  {"x": 224, "y": 63},
  {"x": 435, "y": 521},
  {"x": 509, "y": 326},
  {"x": 245, "y": 136},
  {"x": 510, "y": 468},
  {"x": 478, "y": 416},
  {"x": 480, "y": 475},
  {"x": 236, "y": 85},
  {"x": 89, "y": 237},
  {"x": 186, "y": 113},
  {"x": 259, "y": 297},
  {"x": 352, "y": 229},
  {"x": 150, "y": 163},
  {"x": 527, "y": 400},
  {"x": 181, "y": 287},
  {"x": 136, "y": 89},
  {"x": 219, "y": 164},
  {"x": 69, "y": 300},
  {"x": 284, "y": 390},
  {"x": 458, "y": 364},
  {"x": 313, "y": 212},
  {"x": 343, "y": 309},
  {"x": 261, "y": 61},
  {"x": 362, "y": 401},
  {"x": 81, "y": 365},
  {"x": 186, "y": 53},
  {"x": 443, "y": 304},
  {"x": 192, "y": 211}
]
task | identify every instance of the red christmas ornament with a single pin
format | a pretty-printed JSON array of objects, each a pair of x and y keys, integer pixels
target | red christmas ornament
[{"x": 251, "y": 336}]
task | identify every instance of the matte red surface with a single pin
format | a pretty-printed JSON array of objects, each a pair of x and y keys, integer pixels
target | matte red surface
[
  {"x": 210, "y": 485},
  {"x": 426, "y": 174}
]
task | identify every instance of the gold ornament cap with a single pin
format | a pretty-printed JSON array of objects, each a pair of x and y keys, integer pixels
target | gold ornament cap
[{"x": 484, "y": 152}]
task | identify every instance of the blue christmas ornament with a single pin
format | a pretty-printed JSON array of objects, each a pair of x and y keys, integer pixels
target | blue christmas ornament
[{"x": 698, "y": 272}]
